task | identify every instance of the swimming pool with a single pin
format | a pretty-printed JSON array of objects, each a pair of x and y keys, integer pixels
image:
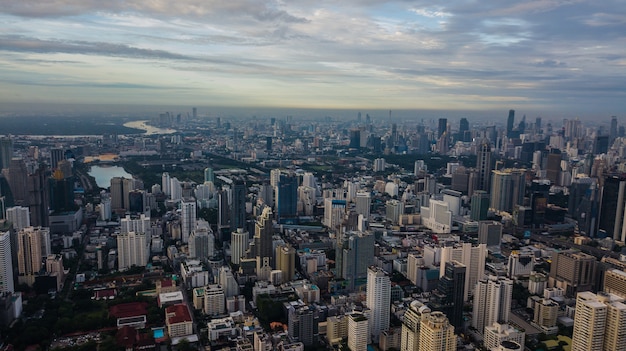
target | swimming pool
[{"x": 158, "y": 333}]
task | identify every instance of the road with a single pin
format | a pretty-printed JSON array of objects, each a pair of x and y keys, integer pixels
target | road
[{"x": 553, "y": 241}]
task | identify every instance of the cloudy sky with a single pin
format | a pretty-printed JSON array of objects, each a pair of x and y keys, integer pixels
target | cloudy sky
[{"x": 540, "y": 55}]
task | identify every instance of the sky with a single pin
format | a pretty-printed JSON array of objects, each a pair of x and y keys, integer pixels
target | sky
[{"x": 540, "y": 56}]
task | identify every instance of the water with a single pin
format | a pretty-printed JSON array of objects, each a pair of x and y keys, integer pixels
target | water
[
  {"x": 103, "y": 174},
  {"x": 149, "y": 130}
]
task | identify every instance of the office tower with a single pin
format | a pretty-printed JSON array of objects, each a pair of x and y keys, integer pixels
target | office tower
[
  {"x": 33, "y": 244},
  {"x": 166, "y": 185},
  {"x": 137, "y": 201},
  {"x": 287, "y": 196},
  {"x": 479, "y": 205},
  {"x": 132, "y": 250},
  {"x": 176, "y": 189},
  {"x": 139, "y": 224},
  {"x": 61, "y": 193},
  {"x": 238, "y": 205},
  {"x": 363, "y": 204},
  {"x": 583, "y": 204},
  {"x": 599, "y": 322},
  {"x": 355, "y": 253},
  {"x": 355, "y": 138},
  {"x": 613, "y": 130},
  {"x": 553, "y": 167},
  {"x": 117, "y": 193},
  {"x": 334, "y": 212},
  {"x": 358, "y": 331},
  {"x": 239, "y": 243},
  {"x": 572, "y": 271},
  {"x": 286, "y": 261},
  {"x": 19, "y": 216},
  {"x": 302, "y": 322},
  {"x": 6, "y": 152},
  {"x": 436, "y": 333},
  {"x": 38, "y": 199},
  {"x": 18, "y": 181},
  {"x": 489, "y": 233},
  {"x": 214, "y": 300},
  {"x": 450, "y": 293},
  {"x": 464, "y": 132},
  {"x": 56, "y": 155},
  {"x": 509, "y": 123},
  {"x": 201, "y": 241},
  {"x": 410, "y": 338},
  {"x": 6, "y": 264},
  {"x": 507, "y": 189},
  {"x": 188, "y": 217},
  {"x": 521, "y": 264},
  {"x": 443, "y": 127},
  {"x": 378, "y": 301},
  {"x": 498, "y": 333},
  {"x": 3, "y": 206},
  {"x": 492, "y": 302},
  {"x": 209, "y": 176},
  {"x": 613, "y": 207},
  {"x": 601, "y": 144},
  {"x": 473, "y": 257},
  {"x": 263, "y": 232},
  {"x": 483, "y": 164}
]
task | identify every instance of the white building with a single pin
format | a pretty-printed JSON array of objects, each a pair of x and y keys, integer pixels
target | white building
[
  {"x": 202, "y": 241},
  {"x": 378, "y": 301},
  {"x": 6, "y": 264},
  {"x": 214, "y": 300},
  {"x": 19, "y": 216},
  {"x": 496, "y": 333},
  {"x": 239, "y": 242},
  {"x": 436, "y": 333},
  {"x": 473, "y": 257},
  {"x": 357, "y": 331},
  {"x": 137, "y": 225},
  {"x": 599, "y": 322},
  {"x": 132, "y": 250},
  {"x": 437, "y": 217},
  {"x": 492, "y": 302}
]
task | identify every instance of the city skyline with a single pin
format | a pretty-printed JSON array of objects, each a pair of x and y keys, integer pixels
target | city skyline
[{"x": 540, "y": 57}]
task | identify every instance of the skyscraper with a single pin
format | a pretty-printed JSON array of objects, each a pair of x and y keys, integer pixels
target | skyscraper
[
  {"x": 201, "y": 241},
  {"x": 19, "y": 216},
  {"x": 209, "y": 176},
  {"x": 188, "y": 217},
  {"x": 410, "y": 337},
  {"x": 287, "y": 196},
  {"x": 239, "y": 242},
  {"x": 132, "y": 250},
  {"x": 286, "y": 261},
  {"x": 56, "y": 155},
  {"x": 436, "y": 333},
  {"x": 378, "y": 301},
  {"x": 613, "y": 205},
  {"x": 358, "y": 331},
  {"x": 489, "y": 233},
  {"x": 443, "y": 127},
  {"x": 264, "y": 230},
  {"x": 613, "y": 130},
  {"x": 6, "y": 152},
  {"x": 238, "y": 205},
  {"x": 492, "y": 302},
  {"x": 509, "y": 123},
  {"x": 573, "y": 271},
  {"x": 507, "y": 189},
  {"x": 38, "y": 200},
  {"x": 479, "y": 205},
  {"x": 33, "y": 246},
  {"x": 450, "y": 293},
  {"x": 483, "y": 164},
  {"x": 363, "y": 204},
  {"x": 472, "y": 257},
  {"x": 6, "y": 264},
  {"x": 355, "y": 253},
  {"x": 599, "y": 322}
]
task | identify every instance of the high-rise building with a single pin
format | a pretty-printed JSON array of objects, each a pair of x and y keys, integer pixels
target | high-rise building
[
  {"x": 378, "y": 301},
  {"x": 223, "y": 214},
  {"x": 443, "y": 127},
  {"x": 613, "y": 130},
  {"x": 201, "y": 241},
  {"x": 6, "y": 152},
  {"x": 489, "y": 233},
  {"x": 286, "y": 261},
  {"x": 287, "y": 196},
  {"x": 264, "y": 230},
  {"x": 133, "y": 249},
  {"x": 209, "y": 176},
  {"x": 56, "y": 155},
  {"x": 472, "y": 257},
  {"x": 61, "y": 192},
  {"x": 355, "y": 253},
  {"x": 479, "y": 205},
  {"x": 6, "y": 264},
  {"x": 139, "y": 224},
  {"x": 188, "y": 217},
  {"x": 33, "y": 246},
  {"x": 239, "y": 243},
  {"x": 214, "y": 300},
  {"x": 117, "y": 193},
  {"x": 19, "y": 216},
  {"x": 483, "y": 165},
  {"x": 615, "y": 282},
  {"x": 334, "y": 212},
  {"x": 436, "y": 333},
  {"x": 498, "y": 333},
  {"x": 358, "y": 331},
  {"x": 363, "y": 204},
  {"x": 510, "y": 122},
  {"x": 507, "y": 189},
  {"x": 449, "y": 295},
  {"x": 521, "y": 264},
  {"x": 166, "y": 185},
  {"x": 302, "y": 321},
  {"x": 38, "y": 200},
  {"x": 572, "y": 271},
  {"x": 410, "y": 337},
  {"x": 613, "y": 205},
  {"x": 492, "y": 302},
  {"x": 437, "y": 216},
  {"x": 18, "y": 181},
  {"x": 238, "y": 205},
  {"x": 599, "y": 322}
]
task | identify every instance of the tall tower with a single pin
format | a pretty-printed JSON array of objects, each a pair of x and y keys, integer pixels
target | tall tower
[
  {"x": 410, "y": 337},
  {"x": 201, "y": 241},
  {"x": 509, "y": 123},
  {"x": 613, "y": 130},
  {"x": 188, "y": 218},
  {"x": 363, "y": 204},
  {"x": 56, "y": 155},
  {"x": 209, "y": 176},
  {"x": 492, "y": 302},
  {"x": 263, "y": 233},
  {"x": 132, "y": 250},
  {"x": 287, "y": 196},
  {"x": 117, "y": 193},
  {"x": 239, "y": 242},
  {"x": 33, "y": 246},
  {"x": 599, "y": 322},
  {"x": 479, "y": 205},
  {"x": 6, "y": 152},
  {"x": 238, "y": 206},
  {"x": 436, "y": 333},
  {"x": 443, "y": 127},
  {"x": 6, "y": 264},
  {"x": 507, "y": 189},
  {"x": 450, "y": 293},
  {"x": 19, "y": 216},
  {"x": 358, "y": 331},
  {"x": 286, "y": 261},
  {"x": 483, "y": 164},
  {"x": 378, "y": 300}
]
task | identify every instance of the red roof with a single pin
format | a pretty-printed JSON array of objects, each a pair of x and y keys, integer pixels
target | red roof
[
  {"x": 178, "y": 313},
  {"x": 131, "y": 309},
  {"x": 166, "y": 283}
]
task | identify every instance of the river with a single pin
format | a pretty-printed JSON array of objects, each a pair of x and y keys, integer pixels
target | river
[{"x": 149, "y": 130}]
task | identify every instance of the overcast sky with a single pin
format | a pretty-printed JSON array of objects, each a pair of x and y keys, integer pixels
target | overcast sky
[{"x": 541, "y": 55}]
